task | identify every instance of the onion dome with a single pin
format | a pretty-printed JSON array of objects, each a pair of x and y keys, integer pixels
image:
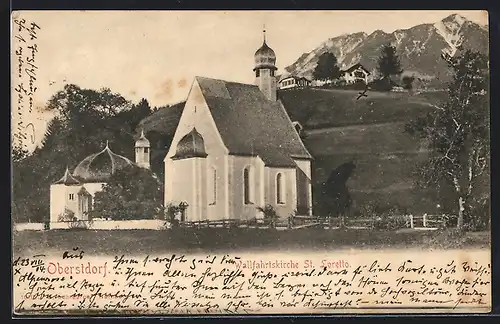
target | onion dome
[
  {"x": 191, "y": 145},
  {"x": 100, "y": 166},
  {"x": 67, "y": 179},
  {"x": 265, "y": 58},
  {"x": 142, "y": 141}
]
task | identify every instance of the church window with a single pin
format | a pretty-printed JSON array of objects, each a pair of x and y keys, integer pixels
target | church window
[
  {"x": 213, "y": 193},
  {"x": 146, "y": 150},
  {"x": 71, "y": 196},
  {"x": 247, "y": 186},
  {"x": 257, "y": 73},
  {"x": 280, "y": 194},
  {"x": 272, "y": 72}
]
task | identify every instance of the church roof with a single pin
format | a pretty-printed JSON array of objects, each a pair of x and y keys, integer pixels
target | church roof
[
  {"x": 142, "y": 141},
  {"x": 100, "y": 166},
  {"x": 67, "y": 179},
  {"x": 265, "y": 57},
  {"x": 191, "y": 145},
  {"x": 250, "y": 124}
]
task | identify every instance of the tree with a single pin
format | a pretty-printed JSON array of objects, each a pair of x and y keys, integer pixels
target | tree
[
  {"x": 334, "y": 198},
  {"x": 270, "y": 215},
  {"x": 408, "y": 83},
  {"x": 458, "y": 134},
  {"x": 327, "y": 68},
  {"x": 388, "y": 63},
  {"x": 18, "y": 154},
  {"x": 130, "y": 193}
]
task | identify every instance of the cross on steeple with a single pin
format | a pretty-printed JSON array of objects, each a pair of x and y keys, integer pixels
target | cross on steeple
[{"x": 264, "y": 32}]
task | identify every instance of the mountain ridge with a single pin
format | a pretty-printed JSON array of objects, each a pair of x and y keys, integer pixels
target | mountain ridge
[{"x": 419, "y": 48}]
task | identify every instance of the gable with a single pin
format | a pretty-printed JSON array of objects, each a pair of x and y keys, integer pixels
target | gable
[
  {"x": 196, "y": 114},
  {"x": 249, "y": 124}
]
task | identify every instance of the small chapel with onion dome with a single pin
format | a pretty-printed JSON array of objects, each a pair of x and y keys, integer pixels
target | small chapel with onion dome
[{"x": 74, "y": 192}]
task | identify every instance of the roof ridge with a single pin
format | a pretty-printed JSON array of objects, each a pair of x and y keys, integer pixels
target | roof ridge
[{"x": 225, "y": 81}]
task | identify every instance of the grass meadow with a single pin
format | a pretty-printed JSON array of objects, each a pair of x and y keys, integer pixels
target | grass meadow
[{"x": 221, "y": 240}]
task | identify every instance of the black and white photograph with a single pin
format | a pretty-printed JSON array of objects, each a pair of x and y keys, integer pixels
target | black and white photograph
[{"x": 250, "y": 162}]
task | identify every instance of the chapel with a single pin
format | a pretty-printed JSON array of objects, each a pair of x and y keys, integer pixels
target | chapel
[
  {"x": 74, "y": 192},
  {"x": 236, "y": 149}
]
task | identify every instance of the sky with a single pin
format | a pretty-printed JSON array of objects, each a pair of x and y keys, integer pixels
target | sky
[{"x": 156, "y": 54}]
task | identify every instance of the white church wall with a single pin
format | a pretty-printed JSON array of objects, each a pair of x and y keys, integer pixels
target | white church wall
[
  {"x": 63, "y": 198},
  {"x": 72, "y": 201},
  {"x": 240, "y": 210},
  {"x": 305, "y": 166},
  {"x": 217, "y": 210},
  {"x": 182, "y": 182},
  {"x": 201, "y": 201},
  {"x": 290, "y": 190},
  {"x": 57, "y": 201},
  {"x": 195, "y": 114},
  {"x": 94, "y": 187}
]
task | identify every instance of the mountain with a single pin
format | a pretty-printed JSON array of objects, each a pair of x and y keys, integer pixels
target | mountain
[{"x": 419, "y": 48}]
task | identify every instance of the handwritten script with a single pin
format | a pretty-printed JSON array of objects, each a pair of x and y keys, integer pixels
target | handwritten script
[
  {"x": 25, "y": 47},
  {"x": 74, "y": 282}
]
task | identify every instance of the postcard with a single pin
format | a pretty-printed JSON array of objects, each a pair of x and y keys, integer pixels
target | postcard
[{"x": 250, "y": 162}]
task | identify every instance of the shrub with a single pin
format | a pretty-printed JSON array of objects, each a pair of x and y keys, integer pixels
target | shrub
[
  {"x": 480, "y": 215},
  {"x": 381, "y": 85},
  {"x": 67, "y": 216},
  {"x": 390, "y": 223},
  {"x": 171, "y": 211},
  {"x": 270, "y": 215}
]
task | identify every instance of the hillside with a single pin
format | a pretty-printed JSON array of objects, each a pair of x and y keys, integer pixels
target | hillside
[
  {"x": 370, "y": 131},
  {"x": 419, "y": 48},
  {"x": 316, "y": 108}
]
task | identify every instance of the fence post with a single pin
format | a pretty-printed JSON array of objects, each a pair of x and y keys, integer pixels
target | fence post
[
  {"x": 411, "y": 221},
  {"x": 424, "y": 220}
]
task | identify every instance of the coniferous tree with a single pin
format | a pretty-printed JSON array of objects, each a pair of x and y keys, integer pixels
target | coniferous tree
[
  {"x": 389, "y": 64},
  {"x": 327, "y": 68}
]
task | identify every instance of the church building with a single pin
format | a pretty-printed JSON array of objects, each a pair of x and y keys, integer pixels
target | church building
[
  {"x": 72, "y": 195},
  {"x": 236, "y": 149}
]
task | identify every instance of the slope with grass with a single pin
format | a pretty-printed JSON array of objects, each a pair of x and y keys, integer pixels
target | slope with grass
[{"x": 371, "y": 131}]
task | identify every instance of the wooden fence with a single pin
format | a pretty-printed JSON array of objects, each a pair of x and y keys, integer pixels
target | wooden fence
[{"x": 423, "y": 222}]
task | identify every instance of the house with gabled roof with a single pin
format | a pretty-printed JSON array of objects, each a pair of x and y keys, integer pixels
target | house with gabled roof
[
  {"x": 236, "y": 149},
  {"x": 356, "y": 73},
  {"x": 291, "y": 81}
]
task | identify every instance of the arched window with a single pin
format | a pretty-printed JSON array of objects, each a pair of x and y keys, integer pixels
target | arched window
[
  {"x": 213, "y": 192},
  {"x": 246, "y": 185},
  {"x": 280, "y": 194}
]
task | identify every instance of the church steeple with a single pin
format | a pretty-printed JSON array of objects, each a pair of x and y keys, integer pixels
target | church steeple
[
  {"x": 265, "y": 68},
  {"x": 142, "y": 153}
]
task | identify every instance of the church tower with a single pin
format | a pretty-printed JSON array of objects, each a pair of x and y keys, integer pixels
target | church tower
[
  {"x": 142, "y": 151},
  {"x": 265, "y": 69}
]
